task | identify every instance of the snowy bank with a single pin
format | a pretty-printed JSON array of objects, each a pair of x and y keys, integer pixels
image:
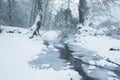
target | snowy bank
[{"x": 16, "y": 50}]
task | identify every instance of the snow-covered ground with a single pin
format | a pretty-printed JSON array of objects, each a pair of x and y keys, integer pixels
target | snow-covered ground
[
  {"x": 97, "y": 50},
  {"x": 102, "y": 45},
  {"x": 16, "y": 50}
]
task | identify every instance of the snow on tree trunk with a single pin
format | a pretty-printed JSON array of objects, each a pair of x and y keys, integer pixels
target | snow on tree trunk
[
  {"x": 36, "y": 26},
  {"x": 38, "y": 22}
]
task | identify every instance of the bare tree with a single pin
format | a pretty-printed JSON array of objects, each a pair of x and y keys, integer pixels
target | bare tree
[
  {"x": 44, "y": 14},
  {"x": 38, "y": 22},
  {"x": 47, "y": 13},
  {"x": 11, "y": 4},
  {"x": 99, "y": 7},
  {"x": 82, "y": 8},
  {"x": 0, "y": 2},
  {"x": 33, "y": 12}
]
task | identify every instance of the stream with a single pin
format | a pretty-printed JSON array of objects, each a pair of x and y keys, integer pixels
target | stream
[{"x": 59, "y": 55}]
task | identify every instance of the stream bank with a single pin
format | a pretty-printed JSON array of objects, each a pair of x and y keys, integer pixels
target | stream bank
[{"x": 60, "y": 55}]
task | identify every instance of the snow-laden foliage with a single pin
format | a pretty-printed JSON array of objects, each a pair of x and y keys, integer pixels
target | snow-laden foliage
[{"x": 103, "y": 14}]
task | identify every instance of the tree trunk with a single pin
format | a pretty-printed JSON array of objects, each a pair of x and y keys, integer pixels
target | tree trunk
[
  {"x": 82, "y": 8},
  {"x": 11, "y": 5},
  {"x": 50, "y": 17},
  {"x": 0, "y": 2},
  {"x": 45, "y": 12},
  {"x": 33, "y": 12},
  {"x": 10, "y": 11},
  {"x": 38, "y": 22}
]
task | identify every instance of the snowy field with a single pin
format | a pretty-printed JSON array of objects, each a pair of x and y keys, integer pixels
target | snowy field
[
  {"x": 16, "y": 50},
  {"x": 102, "y": 45}
]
